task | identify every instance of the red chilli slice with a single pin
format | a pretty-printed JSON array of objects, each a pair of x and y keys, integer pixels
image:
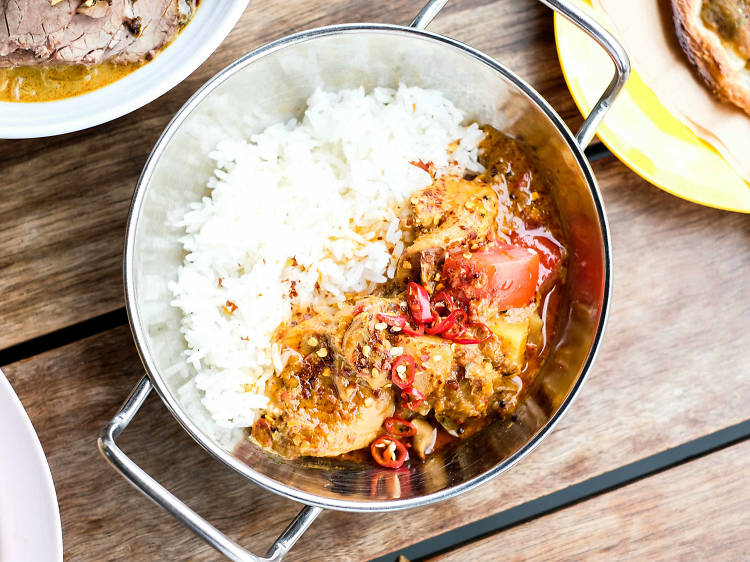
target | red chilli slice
[
  {"x": 399, "y": 427},
  {"x": 444, "y": 326},
  {"x": 393, "y": 320},
  {"x": 418, "y": 300},
  {"x": 389, "y": 451},
  {"x": 443, "y": 298},
  {"x": 457, "y": 329},
  {"x": 406, "y": 379}
]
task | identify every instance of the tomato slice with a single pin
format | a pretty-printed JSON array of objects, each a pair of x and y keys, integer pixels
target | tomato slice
[
  {"x": 503, "y": 273},
  {"x": 543, "y": 243}
]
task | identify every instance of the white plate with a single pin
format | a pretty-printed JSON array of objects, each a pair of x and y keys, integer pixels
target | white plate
[
  {"x": 29, "y": 517},
  {"x": 211, "y": 24}
]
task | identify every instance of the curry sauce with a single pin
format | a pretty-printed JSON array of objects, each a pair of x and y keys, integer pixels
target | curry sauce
[
  {"x": 49, "y": 83},
  {"x": 121, "y": 42}
]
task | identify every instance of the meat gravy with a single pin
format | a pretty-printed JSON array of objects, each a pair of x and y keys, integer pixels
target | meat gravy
[{"x": 49, "y": 83}]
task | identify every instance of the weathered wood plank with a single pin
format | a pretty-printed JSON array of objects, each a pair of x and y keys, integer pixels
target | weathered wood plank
[
  {"x": 64, "y": 200},
  {"x": 673, "y": 367},
  {"x": 695, "y": 511}
]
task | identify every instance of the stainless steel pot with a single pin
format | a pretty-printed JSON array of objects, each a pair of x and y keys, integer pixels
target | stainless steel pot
[{"x": 271, "y": 84}]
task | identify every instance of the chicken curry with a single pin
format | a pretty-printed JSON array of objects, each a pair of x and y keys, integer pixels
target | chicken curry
[{"x": 449, "y": 344}]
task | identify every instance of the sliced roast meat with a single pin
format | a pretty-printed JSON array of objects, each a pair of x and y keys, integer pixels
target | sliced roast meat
[
  {"x": 87, "y": 32},
  {"x": 154, "y": 24}
]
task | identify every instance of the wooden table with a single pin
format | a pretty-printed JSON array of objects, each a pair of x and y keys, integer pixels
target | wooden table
[{"x": 649, "y": 462}]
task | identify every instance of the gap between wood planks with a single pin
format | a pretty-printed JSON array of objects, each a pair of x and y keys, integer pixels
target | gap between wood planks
[
  {"x": 63, "y": 336},
  {"x": 574, "y": 494}
]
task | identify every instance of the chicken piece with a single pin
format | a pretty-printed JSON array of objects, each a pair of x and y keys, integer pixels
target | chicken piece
[
  {"x": 360, "y": 351},
  {"x": 433, "y": 358},
  {"x": 365, "y": 343},
  {"x": 451, "y": 213},
  {"x": 459, "y": 382},
  {"x": 431, "y": 261},
  {"x": 322, "y": 331},
  {"x": 309, "y": 334},
  {"x": 476, "y": 389},
  {"x": 523, "y": 200},
  {"x": 306, "y": 417}
]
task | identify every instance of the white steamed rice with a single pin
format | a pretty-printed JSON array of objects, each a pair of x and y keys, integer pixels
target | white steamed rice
[{"x": 327, "y": 191}]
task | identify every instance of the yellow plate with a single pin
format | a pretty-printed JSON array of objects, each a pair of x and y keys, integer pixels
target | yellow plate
[{"x": 642, "y": 133}]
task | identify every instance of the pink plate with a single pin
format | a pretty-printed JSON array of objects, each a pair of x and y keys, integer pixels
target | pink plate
[{"x": 29, "y": 517}]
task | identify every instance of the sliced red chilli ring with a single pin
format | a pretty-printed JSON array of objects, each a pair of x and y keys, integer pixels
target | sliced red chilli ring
[
  {"x": 393, "y": 320},
  {"x": 403, "y": 370},
  {"x": 457, "y": 329},
  {"x": 442, "y": 326},
  {"x": 389, "y": 451},
  {"x": 443, "y": 300},
  {"x": 418, "y": 300},
  {"x": 399, "y": 427}
]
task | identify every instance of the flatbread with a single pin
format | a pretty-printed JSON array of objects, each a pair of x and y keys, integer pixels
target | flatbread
[
  {"x": 646, "y": 29},
  {"x": 723, "y": 66}
]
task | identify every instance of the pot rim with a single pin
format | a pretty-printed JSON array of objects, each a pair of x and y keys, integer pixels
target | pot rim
[{"x": 138, "y": 331}]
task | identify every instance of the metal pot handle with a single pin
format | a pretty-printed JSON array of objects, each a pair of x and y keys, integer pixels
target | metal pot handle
[
  {"x": 594, "y": 30},
  {"x": 156, "y": 492}
]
